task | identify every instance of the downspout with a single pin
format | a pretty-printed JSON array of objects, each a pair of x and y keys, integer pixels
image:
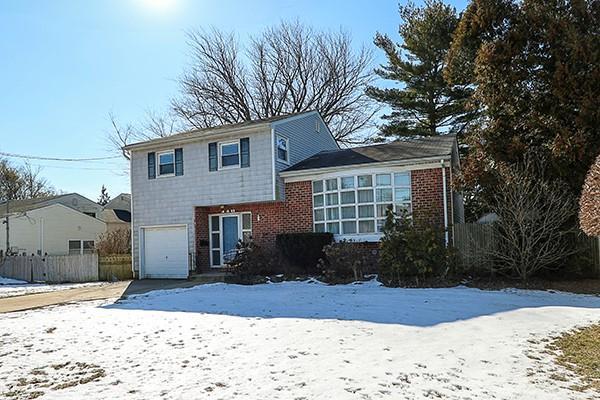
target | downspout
[
  {"x": 273, "y": 175},
  {"x": 445, "y": 202},
  {"x": 132, "y": 226},
  {"x": 42, "y": 237}
]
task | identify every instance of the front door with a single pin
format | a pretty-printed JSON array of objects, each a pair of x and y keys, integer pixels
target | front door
[{"x": 231, "y": 235}]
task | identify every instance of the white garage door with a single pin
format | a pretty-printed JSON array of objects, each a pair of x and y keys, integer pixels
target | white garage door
[{"x": 165, "y": 252}]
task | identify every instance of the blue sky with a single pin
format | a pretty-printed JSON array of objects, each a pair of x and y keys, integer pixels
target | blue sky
[{"x": 65, "y": 64}]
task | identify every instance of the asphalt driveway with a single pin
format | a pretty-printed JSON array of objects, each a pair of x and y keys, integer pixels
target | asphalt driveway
[{"x": 108, "y": 291}]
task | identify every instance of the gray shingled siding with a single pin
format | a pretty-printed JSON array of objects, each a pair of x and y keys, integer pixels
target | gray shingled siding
[
  {"x": 304, "y": 141},
  {"x": 171, "y": 200}
]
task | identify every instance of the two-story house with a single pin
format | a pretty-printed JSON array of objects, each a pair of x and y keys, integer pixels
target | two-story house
[{"x": 195, "y": 194}]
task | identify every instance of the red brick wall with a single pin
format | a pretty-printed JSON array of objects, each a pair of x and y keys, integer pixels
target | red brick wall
[
  {"x": 295, "y": 213},
  {"x": 427, "y": 195},
  {"x": 268, "y": 219}
]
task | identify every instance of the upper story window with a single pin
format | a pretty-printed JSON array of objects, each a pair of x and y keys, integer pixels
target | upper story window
[
  {"x": 283, "y": 149},
  {"x": 166, "y": 163},
  {"x": 229, "y": 154},
  {"x": 358, "y": 204}
]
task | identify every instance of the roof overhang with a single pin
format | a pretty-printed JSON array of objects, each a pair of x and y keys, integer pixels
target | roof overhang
[
  {"x": 417, "y": 163},
  {"x": 195, "y": 135}
]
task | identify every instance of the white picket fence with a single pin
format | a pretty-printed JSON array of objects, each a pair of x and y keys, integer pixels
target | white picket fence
[{"x": 51, "y": 269}]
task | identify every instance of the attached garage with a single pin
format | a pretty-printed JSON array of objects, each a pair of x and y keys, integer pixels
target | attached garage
[{"x": 164, "y": 252}]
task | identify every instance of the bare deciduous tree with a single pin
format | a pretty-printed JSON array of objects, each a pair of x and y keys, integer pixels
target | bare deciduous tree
[
  {"x": 115, "y": 242},
  {"x": 288, "y": 68},
  {"x": 154, "y": 126},
  {"x": 535, "y": 227},
  {"x": 22, "y": 182}
]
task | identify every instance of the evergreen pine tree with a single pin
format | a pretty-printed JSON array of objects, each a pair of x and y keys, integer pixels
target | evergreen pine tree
[
  {"x": 535, "y": 68},
  {"x": 104, "y": 196},
  {"x": 425, "y": 104}
]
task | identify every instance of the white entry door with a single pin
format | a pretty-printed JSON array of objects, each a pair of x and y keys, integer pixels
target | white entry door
[
  {"x": 165, "y": 252},
  {"x": 226, "y": 230}
]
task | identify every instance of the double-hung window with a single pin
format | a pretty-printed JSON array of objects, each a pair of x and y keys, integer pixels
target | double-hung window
[
  {"x": 166, "y": 163},
  {"x": 77, "y": 247},
  {"x": 283, "y": 154},
  {"x": 355, "y": 205},
  {"x": 229, "y": 154}
]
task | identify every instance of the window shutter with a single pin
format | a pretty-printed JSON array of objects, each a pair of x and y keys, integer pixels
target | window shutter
[
  {"x": 245, "y": 152},
  {"x": 178, "y": 162},
  {"x": 212, "y": 157},
  {"x": 151, "y": 165}
]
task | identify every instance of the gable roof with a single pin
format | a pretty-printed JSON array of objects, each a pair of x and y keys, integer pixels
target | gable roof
[
  {"x": 31, "y": 204},
  {"x": 120, "y": 202},
  {"x": 400, "y": 150},
  {"x": 25, "y": 205},
  {"x": 215, "y": 130}
]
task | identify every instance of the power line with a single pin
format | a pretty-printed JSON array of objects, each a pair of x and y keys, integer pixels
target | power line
[{"x": 28, "y": 157}]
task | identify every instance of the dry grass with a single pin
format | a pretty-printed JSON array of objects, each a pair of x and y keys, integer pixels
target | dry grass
[{"x": 579, "y": 352}]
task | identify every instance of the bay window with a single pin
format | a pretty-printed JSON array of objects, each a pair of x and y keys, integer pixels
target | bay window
[{"x": 358, "y": 205}]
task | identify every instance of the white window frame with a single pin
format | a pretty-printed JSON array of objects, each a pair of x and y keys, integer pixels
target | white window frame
[
  {"x": 220, "y": 151},
  {"x": 375, "y": 235},
  {"x": 219, "y": 246},
  {"x": 287, "y": 149},
  {"x": 158, "y": 154},
  {"x": 80, "y": 245}
]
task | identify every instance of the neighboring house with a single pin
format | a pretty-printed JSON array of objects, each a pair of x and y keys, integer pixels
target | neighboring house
[
  {"x": 117, "y": 213},
  {"x": 59, "y": 225},
  {"x": 195, "y": 194},
  {"x": 72, "y": 200},
  {"x": 488, "y": 218}
]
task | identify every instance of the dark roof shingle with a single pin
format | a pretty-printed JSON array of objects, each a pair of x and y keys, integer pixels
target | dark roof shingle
[{"x": 395, "y": 151}]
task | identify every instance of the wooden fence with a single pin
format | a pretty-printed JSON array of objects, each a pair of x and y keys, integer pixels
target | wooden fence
[
  {"x": 474, "y": 242},
  {"x": 51, "y": 269},
  {"x": 115, "y": 267}
]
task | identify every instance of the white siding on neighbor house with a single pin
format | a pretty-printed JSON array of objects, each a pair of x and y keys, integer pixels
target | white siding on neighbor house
[
  {"x": 171, "y": 200},
  {"x": 304, "y": 141},
  {"x": 49, "y": 230}
]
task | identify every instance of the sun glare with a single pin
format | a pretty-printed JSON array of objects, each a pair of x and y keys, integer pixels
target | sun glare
[{"x": 159, "y": 6}]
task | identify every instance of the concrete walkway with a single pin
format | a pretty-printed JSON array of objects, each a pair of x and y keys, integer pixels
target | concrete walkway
[{"x": 109, "y": 291}]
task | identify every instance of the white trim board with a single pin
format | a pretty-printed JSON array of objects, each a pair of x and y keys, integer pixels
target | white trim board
[{"x": 371, "y": 168}]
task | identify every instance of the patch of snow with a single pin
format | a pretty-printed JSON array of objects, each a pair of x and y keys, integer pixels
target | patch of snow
[
  {"x": 10, "y": 281},
  {"x": 21, "y": 288},
  {"x": 294, "y": 340}
]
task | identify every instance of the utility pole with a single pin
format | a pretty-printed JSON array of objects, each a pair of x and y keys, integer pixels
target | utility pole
[{"x": 7, "y": 225}]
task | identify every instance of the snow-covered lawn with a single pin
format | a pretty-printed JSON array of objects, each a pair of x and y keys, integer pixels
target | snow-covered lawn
[
  {"x": 13, "y": 287},
  {"x": 294, "y": 341}
]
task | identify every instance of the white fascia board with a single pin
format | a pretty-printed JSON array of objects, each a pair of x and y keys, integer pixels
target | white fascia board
[
  {"x": 195, "y": 136},
  {"x": 370, "y": 168}
]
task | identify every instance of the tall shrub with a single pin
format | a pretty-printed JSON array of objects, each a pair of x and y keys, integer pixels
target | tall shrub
[
  {"x": 303, "y": 250},
  {"x": 411, "y": 252}
]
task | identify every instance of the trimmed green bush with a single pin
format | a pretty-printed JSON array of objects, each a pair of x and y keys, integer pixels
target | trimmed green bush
[
  {"x": 412, "y": 252},
  {"x": 345, "y": 262},
  {"x": 303, "y": 250}
]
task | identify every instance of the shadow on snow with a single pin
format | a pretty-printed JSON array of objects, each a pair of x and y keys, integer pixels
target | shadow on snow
[{"x": 362, "y": 302}]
